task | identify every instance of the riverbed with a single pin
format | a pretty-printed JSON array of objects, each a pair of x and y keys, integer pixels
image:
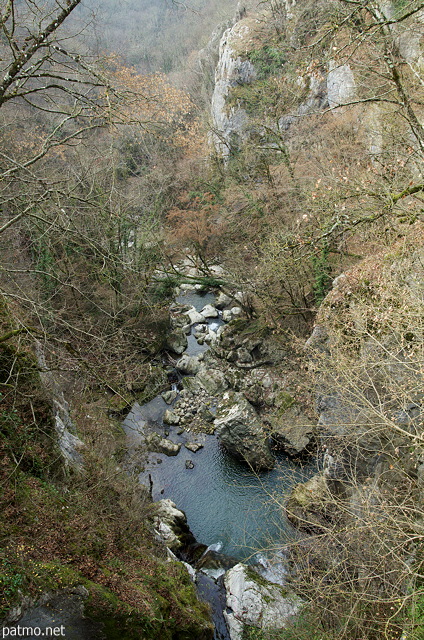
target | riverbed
[{"x": 227, "y": 505}]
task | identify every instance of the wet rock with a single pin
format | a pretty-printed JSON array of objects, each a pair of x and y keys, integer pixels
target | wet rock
[
  {"x": 171, "y": 417},
  {"x": 193, "y": 446},
  {"x": 253, "y": 601},
  {"x": 163, "y": 445},
  {"x": 169, "y": 396},
  {"x": 212, "y": 561},
  {"x": 241, "y": 432},
  {"x": 177, "y": 341},
  {"x": 189, "y": 464}
]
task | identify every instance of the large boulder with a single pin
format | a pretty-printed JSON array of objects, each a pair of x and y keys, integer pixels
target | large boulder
[
  {"x": 209, "y": 311},
  {"x": 177, "y": 341},
  {"x": 195, "y": 316},
  {"x": 189, "y": 365},
  {"x": 223, "y": 301},
  {"x": 171, "y": 525},
  {"x": 212, "y": 380},
  {"x": 241, "y": 432},
  {"x": 255, "y": 602}
]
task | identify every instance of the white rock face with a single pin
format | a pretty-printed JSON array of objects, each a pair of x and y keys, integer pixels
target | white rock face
[
  {"x": 341, "y": 87},
  {"x": 69, "y": 444},
  {"x": 256, "y": 602},
  {"x": 231, "y": 71},
  {"x": 168, "y": 519}
]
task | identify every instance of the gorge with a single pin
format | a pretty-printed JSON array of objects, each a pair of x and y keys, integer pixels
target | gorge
[{"x": 211, "y": 322}]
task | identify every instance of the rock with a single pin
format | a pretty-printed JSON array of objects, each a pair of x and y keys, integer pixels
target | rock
[
  {"x": 215, "y": 563},
  {"x": 186, "y": 286},
  {"x": 69, "y": 444},
  {"x": 341, "y": 86},
  {"x": 210, "y": 337},
  {"x": 220, "y": 331},
  {"x": 232, "y": 70},
  {"x": 310, "y": 505},
  {"x": 230, "y": 314},
  {"x": 201, "y": 328},
  {"x": 170, "y": 524},
  {"x": 206, "y": 414},
  {"x": 177, "y": 341},
  {"x": 188, "y": 364},
  {"x": 193, "y": 446},
  {"x": 222, "y": 301},
  {"x": 162, "y": 445},
  {"x": 195, "y": 316},
  {"x": 318, "y": 339},
  {"x": 243, "y": 355},
  {"x": 209, "y": 311},
  {"x": 189, "y": 464},
  {"x": 168, "y": 447},
  {"x": 255, "y": 602},
  {"x": 241, "y": 432},
  {"x": 169, "y": 396},
  {"x": 292, "y": 431},
  {"x": 170, "y": 417},
  {"x": 254, "y": 394},
  {"x": 212, "y": 380},
  {"x": 179, "y": 321}
]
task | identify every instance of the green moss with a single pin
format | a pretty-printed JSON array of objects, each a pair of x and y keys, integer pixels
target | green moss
[{"x": 283, "y": 401}]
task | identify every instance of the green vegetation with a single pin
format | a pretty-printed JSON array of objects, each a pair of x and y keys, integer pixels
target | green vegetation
[
  {"x": 92, "y": 529},
  {"x": 268, "y": 61}
]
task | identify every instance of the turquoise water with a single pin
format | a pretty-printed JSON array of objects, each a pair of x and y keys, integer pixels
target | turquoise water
[{"x": 223, "y": 500}]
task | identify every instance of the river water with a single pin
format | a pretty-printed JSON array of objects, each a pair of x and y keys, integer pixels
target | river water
[{"x": 225, "y": 503}]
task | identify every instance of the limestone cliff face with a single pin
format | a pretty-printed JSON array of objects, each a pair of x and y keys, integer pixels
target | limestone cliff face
[
  {"x": 231, "y": 70},
  {"x": 328, "y": 82}
]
